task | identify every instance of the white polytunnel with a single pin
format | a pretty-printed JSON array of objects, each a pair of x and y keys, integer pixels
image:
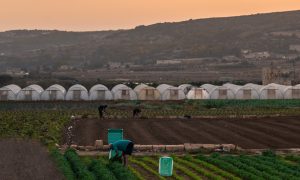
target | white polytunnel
[
  {"x": 77, "y": 92},
  {"x": 30, "y": 93},
  {"x": 292, "y": 92},
  {"x": 243, "y": 92},
  {"x": 139, "y": 87},
  {"x": 271, "y": 91},
  {"x": 162, "y": 87},
  {"x": 100, "y": 92},
  {"x": 197, "y": 93},
  {"x": 9, "y": 92},
  {"x": 54, "y": 93},
  {"x": 218, "y": 92},
  {"x": 123, "y": 92},
  {"x": 169, "y": 92},
  {"x": 145, "y": 92},
  {"x": 254, "y": 86},
  {"x": 185, "y": 87},
  {"x": 287, "y": 92}
]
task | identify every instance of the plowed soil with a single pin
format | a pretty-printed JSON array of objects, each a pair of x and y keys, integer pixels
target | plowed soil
[
  {"x": 22, "y": 159},
  {"x": 275, "y": 132}
]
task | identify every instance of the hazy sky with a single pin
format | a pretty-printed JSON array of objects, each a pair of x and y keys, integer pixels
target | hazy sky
[{"x": 81, "y": 15}]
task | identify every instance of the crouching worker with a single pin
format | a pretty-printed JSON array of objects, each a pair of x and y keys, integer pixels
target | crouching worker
[
  {"x": 101, "y": 110},
  {"x": 136, "y": 112},
  {"x": 121, "y": 148}
]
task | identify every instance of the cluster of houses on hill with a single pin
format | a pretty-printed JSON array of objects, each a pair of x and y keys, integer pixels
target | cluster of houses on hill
[{"x": 144, "y": 92}]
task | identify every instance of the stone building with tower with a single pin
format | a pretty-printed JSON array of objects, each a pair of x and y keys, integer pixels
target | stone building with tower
[{"x": 277, "y": 75}]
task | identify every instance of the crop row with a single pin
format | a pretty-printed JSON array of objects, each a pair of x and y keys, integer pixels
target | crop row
[
  {"x": 254, "y": 167},
  {"x": 207, "y": 104},
  {"x": 184, "y": 167},
  {"x": 293, "y": 158},
  {"x": 218, "y": 167},
  {"x": 215, "y": 166},
  {"x": 74, "y": 167}
]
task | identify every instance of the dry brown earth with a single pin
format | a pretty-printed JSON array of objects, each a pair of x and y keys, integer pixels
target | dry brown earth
[
  {"x": 22, "y": 159},
  {"x": 275, "y": 132}
]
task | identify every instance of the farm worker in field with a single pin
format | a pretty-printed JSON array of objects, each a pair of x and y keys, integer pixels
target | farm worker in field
[
  {"x": 136, "y": 112},
  {"x": 101, "y": 110},
  {"x": 125, "y": 146}
]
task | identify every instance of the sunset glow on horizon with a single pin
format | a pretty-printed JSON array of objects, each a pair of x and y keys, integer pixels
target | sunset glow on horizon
[{"x": 91, "y": 15}]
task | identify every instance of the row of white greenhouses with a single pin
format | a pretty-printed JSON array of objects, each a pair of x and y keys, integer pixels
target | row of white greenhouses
[{"x": 144, "y": 92}]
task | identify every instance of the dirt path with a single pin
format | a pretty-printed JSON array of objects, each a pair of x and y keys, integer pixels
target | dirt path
[
  {"x": 277, "y": 132},
  {"x": 22, "y": 159}
]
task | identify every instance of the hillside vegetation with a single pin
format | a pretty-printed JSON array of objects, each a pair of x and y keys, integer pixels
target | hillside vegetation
[{"x": 216, "y": 37}]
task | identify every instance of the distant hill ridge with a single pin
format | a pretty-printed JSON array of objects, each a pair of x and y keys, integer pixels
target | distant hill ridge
[{"x": 211, "y": 37}]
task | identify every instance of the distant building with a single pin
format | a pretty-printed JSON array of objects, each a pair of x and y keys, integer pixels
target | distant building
[
  {"x": 295, "y": 47},
  {"x": 287, "y": 33},
  {"x": 231, "y": 58},
  {"x": 161, "y": 62},
  {"x": 16, "y": 72},
  {"x": 257, "y": 55},
  {"x": 292, "y": 56},
  {"x": 66, "y": 67},
  {"x": 184, "y": 61},
  {"x": 246, "y": 51},
  {"x": 276, "y": 75},
  {"x": 117, "y": 65}
]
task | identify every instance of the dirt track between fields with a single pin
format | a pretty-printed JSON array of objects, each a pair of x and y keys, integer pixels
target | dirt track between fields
[
  {"x": 26, "y": 159},
  {"x": 275, "y": 132}
]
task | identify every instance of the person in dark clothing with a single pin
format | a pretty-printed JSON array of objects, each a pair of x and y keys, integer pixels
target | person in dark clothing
[
  {"x": 187, "y": 116},
  {"x": 136, "y": 112},
  {"x": 125, "y": 146},
  {"x": 101, "y": 110}
]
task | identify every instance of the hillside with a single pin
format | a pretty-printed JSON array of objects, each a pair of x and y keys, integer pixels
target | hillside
[{"x": 212, "y": 37}]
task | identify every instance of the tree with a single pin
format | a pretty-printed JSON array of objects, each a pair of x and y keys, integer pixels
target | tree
[{"x": 5, "y": 79}]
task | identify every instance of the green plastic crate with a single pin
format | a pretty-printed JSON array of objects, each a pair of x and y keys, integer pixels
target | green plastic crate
[
  {"x": 114, "y": 135},
  {"x": 166, "y": 166}
]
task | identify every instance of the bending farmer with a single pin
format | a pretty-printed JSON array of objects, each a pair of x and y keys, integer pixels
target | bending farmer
[
  {"x": 136, "y": 112},
  {"x": 101, "y": 110},
  {"x": 124, "y": 146}
]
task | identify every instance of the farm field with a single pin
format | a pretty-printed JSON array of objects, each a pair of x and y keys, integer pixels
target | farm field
[
  {"x": 46, "y": 122},
  {"x": 254, "y": 133},
  {"x": 214, "y": 166},
  {"x": 250, "y": 124}
]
